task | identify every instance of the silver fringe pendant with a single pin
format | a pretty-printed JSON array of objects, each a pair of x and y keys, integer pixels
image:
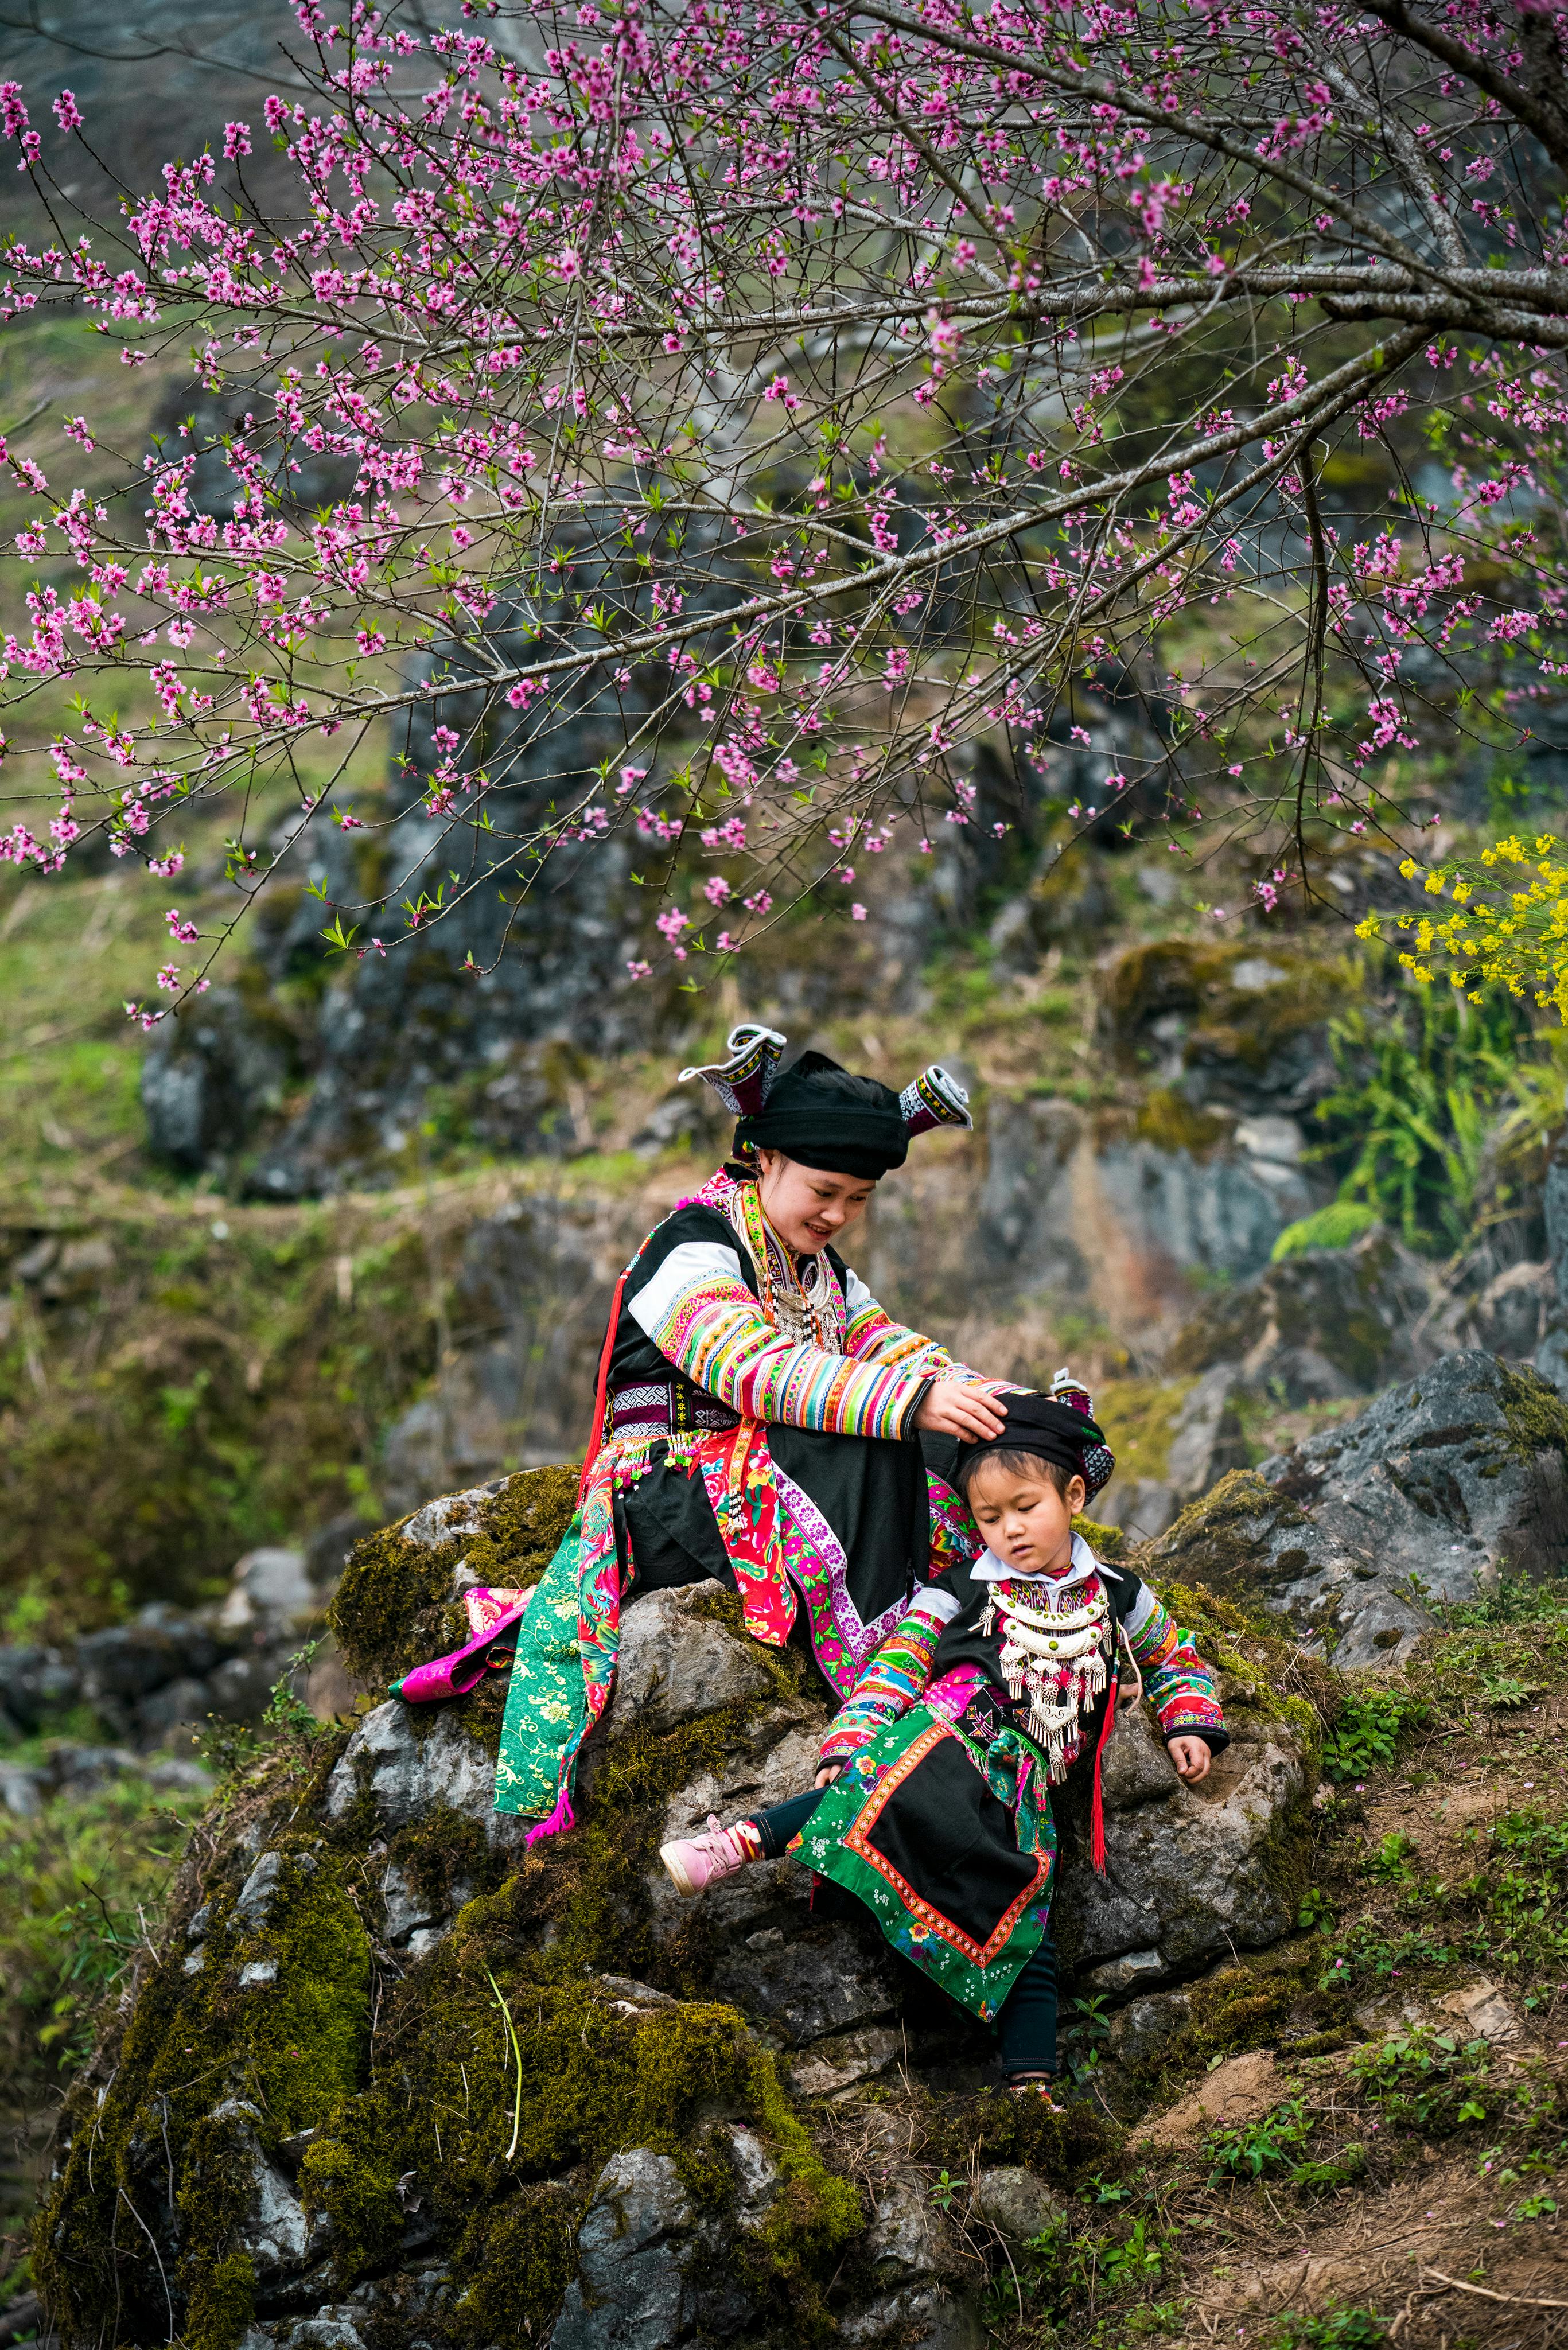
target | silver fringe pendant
[{"x": 1059, "y": 1663}]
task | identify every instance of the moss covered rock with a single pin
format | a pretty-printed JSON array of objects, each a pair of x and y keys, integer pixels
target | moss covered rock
[{"x": 393, "y": 2074}]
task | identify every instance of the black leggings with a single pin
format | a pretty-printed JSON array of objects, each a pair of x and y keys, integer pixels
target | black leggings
[{"x": 1026, "y": 2027}]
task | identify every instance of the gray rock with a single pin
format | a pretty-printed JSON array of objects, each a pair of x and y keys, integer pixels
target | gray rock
[
  {"x": 905, "y": 2240},
  {"x": 1064, "y": 1210},
  {"x": 181, "y": 1701},
  {"x": 274, "y": 2230},
  {"x": 676, "y": 1663},
  {"x": 20, "y": 1792},
  {"x": 1431, "y": 1492},
  {"x": 844, "y": 2060},
  {"x": 407, "y": 1775},
  {"x": 1018, "y": 2203},
  {"x": 1144, "y": 2029},
  {"x": 210, "y": 1077},
  {"x": 258, "y": 1974},
  {"x": 919, "y": 2318},
  {"x": 240, "y": 1686},
  {"x": 453, "y": 1517},
  {"x": 820, "y": 1979},
  {"x": 1555, "y": 1207},
  {"x": 1320, "y": 1326},
  {"x": 258, "y": 1893},
  {"x": 1205, "y": 1438},
  {"x": 1513, "y": 1313},
  {"x": 266, "y": 1584},
  {"x": 631, "y": 2292},
  {"x": 36, "y": 1683},
  {"x": 1191, "y": 1877},
  {"x": 404, "y": 1910},
  {"x": 757, "y": 2176},
  {"x": 1116, "y": 1977}
]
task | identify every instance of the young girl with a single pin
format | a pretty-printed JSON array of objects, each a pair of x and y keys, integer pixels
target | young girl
[{"x": 933, "y": 1801}]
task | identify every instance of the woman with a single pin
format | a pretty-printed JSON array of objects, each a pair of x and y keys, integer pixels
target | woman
[{"x": 757, "y": 1420}]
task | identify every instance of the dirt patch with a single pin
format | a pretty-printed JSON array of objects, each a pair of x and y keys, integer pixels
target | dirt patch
[
  {"x": 1239, "y": 2090},
  {"x": 1436, "y": 2256}
]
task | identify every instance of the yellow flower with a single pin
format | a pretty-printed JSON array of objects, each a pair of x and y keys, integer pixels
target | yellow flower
[{"x": 1434, "y": 884}]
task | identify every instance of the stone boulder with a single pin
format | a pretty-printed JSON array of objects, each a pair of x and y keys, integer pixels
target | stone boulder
[
  {"x": 1328, "y": 1324},
  {"x": 1191, "y": 1873},
  {"x": 1434, "y": 1491},
  {"x": 394, "y": 2074}
]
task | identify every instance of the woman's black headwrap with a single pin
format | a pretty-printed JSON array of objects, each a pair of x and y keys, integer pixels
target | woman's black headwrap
[
  {"x": 818, "y": 1113},
  {"x": 1059, "y": 1427}
]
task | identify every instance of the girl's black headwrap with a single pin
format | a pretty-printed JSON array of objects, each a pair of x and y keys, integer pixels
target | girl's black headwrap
[
  {"x": 818, "y": 1113},
  {"x": 1059, "y": 1427}
]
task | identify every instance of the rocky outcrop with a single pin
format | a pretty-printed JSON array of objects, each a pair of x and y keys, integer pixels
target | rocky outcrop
[
  {"x": 462, "y": 2090},
  {"x": 166, "y": 1670},
  {"x": 1322, "y": 1326},
  {"x": 1437, "y": 1489}
]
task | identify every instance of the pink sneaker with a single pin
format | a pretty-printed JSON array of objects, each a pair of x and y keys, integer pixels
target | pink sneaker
[{"x": 697, "y": 1861}]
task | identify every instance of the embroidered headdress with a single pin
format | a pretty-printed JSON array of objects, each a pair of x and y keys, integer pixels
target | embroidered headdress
[{"x": 818, "y": 1113}]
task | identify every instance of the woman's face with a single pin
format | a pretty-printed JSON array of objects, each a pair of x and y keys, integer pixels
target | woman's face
[{"x": 806, "y": 1206}]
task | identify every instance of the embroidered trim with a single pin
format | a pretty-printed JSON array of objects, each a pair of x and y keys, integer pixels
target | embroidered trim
[{"x": 979, "y": 1954}]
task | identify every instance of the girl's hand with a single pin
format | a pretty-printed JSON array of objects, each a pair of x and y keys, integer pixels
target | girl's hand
[
  {"x": 1192, "y": 1758},
  {"x": 961, "y": 1409},
  {"x": 826, "y": 1776}
]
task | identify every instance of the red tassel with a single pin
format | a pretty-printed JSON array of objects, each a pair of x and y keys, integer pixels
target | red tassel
[
  {"x": 562, "y": 1818},
  {"x": 598, "y": 1436},
  {"x": 1097, "y": 1812}
]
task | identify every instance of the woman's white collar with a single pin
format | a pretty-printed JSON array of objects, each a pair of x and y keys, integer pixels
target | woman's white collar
[{"x": 988, "y": 1568}]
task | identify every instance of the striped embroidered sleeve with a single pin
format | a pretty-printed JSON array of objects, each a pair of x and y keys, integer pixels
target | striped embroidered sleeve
[
  {"x": 896, "y": 1678},
  {"x": 1176, "y": 1680},
  {"x": 711, "y": 1328}
]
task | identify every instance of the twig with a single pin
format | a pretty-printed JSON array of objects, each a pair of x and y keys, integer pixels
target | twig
[
  {"x": 156, "y": 2254},
  {"x": 1514, "y": 2299}
]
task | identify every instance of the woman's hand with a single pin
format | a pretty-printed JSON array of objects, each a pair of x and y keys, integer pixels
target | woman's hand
[
  {"x": 826, "y": 1776},
  {"x": 961, "y": 1409},
  {"x": 1192, "y": 1758}
]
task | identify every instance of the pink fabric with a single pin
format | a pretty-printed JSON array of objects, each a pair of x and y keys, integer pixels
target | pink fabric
[{"x": 490, "y": 1612}]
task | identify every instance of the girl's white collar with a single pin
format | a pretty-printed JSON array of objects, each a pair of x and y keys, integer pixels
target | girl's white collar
[{"x": 988, "y": 1568}]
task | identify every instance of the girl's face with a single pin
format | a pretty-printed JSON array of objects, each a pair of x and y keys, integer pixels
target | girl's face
[
  {"x": 806, "y": 1206},
  {"x": 1027, "y": 1523}
]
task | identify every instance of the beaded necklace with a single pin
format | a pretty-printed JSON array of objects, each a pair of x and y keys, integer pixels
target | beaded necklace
[{"x": 797, "y": 1305}]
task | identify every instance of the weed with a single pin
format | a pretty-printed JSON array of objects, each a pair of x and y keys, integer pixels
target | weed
[
  {"x": 1366, "y": 1954},
  {"x": 1344, "y": 2328},
  {"x": 1368, "y": 1729},
  {"x": 1251, "y": 2149},
  {"x": 1135, "y": 2261},
  {"x": 1423, "y": 2080},
  {"x": 1084, "y": 2038},
  {"x": 81, "y": 1882},
  {"x": 1333, "y": 1227},
  {"x": 1393, "y": 1858},
  {"x": 1409, "y": 1123},
  {"x": 1524, "y": 1901},
  {"x": 1316, "y": 1909}
]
